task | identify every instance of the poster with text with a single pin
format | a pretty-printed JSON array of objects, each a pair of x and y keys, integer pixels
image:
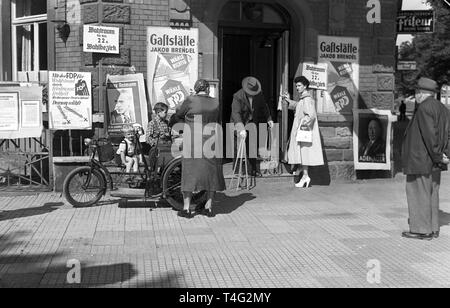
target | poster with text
[
  {"x": 372, "y": 139},
  {"x": 21, "y": 112},
  {"x": 172, "y": 65},
  {"x": 70, "y": 100},
  {"x": 317, "y": 74},
  {"x": 342, "y": 55},
  {"x": 127, "y": 102}
]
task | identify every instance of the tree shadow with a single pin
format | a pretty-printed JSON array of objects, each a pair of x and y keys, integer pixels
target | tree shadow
[
  {"x": 229, "y": 204},
  {"x": 28, "y": 212},
  {"x": 444, "y": 218}
]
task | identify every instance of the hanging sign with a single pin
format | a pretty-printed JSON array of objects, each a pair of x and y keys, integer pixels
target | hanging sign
[
  {"x": 317, "y": 75},
  {"x": 70, "y": 100},
  {"x": 98, "y": 39},
  {"x": 172, "y": 64},
  {"x": 410, "y": 22}
]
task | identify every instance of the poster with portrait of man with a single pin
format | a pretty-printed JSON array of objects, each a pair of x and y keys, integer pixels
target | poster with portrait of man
[
  {"x": 372, "y": 139},
  {"x": 127, "y": 102}
]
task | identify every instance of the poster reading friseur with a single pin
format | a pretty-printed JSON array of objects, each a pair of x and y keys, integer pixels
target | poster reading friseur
[
  {"x": 70, "y": 100},
  {"x": 342, "y": 56},
  {"x": 172, "y": 64}
]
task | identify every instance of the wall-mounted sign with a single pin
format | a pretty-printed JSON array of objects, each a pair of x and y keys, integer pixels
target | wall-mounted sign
[
  {"x": 341, "y": 55},
  {"x": 98, "y": 39},
  {"x": 70, "y": 100},
  {"x": 410, "y": 22},
  {"x": 317, "y": 75},
  {"x": 21, "y": 112},
  {"x": 172, "y": 64},
  {"x": 372, "y": 139},
  {"x": 406, "y": 65},
  {"x": 127, "y": 102}
]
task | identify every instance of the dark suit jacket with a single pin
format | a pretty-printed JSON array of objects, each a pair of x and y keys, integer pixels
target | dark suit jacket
[
  {"x": 426, "y": 138},
  {"x": 241, "y": 110},
  {"x": 378, "y": 148}
]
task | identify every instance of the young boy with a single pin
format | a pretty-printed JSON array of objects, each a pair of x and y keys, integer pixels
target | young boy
[
  {"x": 158, "y": 127},
  {"x": 127, "y": 150}
]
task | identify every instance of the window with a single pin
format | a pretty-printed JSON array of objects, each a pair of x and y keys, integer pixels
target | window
[{"x": 29, "y": 35}]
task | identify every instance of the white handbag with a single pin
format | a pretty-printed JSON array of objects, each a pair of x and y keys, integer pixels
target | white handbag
[{"x": 304, "y": 135}]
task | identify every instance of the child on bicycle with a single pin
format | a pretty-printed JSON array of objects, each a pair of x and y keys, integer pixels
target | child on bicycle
[{"x": 128, "y": 151}]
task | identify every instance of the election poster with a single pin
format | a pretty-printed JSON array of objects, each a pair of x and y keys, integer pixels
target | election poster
[
  {"x": 21, "y": 112},
  {"x": 372, "y": 139},
  {"x": 127, "y": 102},
  {"x": 70, "y": 100},
  {"x": 317, "y": 75},
  {"x": 172, "y": 65},
  {"x": 341, "y": 55}
]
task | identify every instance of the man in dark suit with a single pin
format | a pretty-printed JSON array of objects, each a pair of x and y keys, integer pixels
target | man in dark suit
[
  {"x": 249, "y": 106},
  {"x": 374, "y": 150},
  {"x": 425, "y": 154}
]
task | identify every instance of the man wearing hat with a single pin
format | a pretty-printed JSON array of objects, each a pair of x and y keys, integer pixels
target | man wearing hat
[
  {"x": 425, "y": 154},
  {"x": 249, "y": 106}
]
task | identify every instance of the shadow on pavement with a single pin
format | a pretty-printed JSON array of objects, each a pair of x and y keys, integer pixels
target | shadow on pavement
[
  {"x": 228, "y": 204},
  {"x": 444, "y": 219},
  {"x": 28, "y": 212}
]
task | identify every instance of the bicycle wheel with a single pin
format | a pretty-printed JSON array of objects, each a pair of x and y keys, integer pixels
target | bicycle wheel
[
  {"x": 78, "y": 193},
  {"x": 172, "y": 187}
]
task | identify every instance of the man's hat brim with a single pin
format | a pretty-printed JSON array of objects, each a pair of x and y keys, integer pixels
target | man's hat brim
[{"x": 249, "y": 91}]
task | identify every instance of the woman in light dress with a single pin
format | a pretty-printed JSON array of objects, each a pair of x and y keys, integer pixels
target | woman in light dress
[{"x": 303, "y": 155}]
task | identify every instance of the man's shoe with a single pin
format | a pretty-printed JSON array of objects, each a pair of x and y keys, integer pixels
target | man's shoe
[
  {"x": 418, "y": 236},
  {"x": 436, "y": 234}
]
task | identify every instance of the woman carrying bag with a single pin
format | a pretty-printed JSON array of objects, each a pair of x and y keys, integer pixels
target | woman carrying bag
[{"x": 305, "y": 146}]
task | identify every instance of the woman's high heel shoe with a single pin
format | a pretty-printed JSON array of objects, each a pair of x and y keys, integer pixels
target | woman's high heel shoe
[
  {"x": 185, "y": 214},
  {"x": 305, "y": 180},
  {"x": 208, "y": 213}
]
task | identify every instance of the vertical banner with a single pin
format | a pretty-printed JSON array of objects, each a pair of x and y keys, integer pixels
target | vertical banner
[
  {"x": 172, "y": 65},
  {"x": 341, "y": 54},
  {"x": 70, "y": 100},
  {"x": 127, "y": 102}
]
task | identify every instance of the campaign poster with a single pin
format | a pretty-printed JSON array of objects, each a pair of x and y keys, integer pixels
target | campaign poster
[
  {"x": 172, "y": 65},
  {"x": 372, "y": 139},
  {"x": 341, "y": 55},
  {"x": 317, "y": 74},
  {"x": 9, "y": 115},
  {"x": 127, "y": 102},
  {"x": 70, "y": 100},
  {"x": 21, "y": 112}
]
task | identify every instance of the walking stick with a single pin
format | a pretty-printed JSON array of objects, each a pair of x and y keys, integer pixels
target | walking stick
[{"x": 241, "y": 155}]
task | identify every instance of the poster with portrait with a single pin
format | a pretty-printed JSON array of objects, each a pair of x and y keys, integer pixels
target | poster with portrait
[
  {"x": 127, "y": 102},
  {"x": 372, "y": 139},
  {"x": 172, "y": 64},
  {"x": 341, "y": 55},
  {"x": 70, "y": 100},
  {"x": 21, "y": 112}
]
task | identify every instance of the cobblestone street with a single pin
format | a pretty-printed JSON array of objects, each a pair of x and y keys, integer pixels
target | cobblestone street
[{"x": 272, "y": 236}]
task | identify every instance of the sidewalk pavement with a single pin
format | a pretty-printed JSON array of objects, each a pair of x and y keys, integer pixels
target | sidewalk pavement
[{"x": 273, "y": 236}]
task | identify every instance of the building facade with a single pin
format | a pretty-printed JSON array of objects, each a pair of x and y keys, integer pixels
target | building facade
[{"x": 268, "y": 39}]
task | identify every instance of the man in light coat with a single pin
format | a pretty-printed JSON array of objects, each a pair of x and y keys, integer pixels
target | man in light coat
[{"x": 425, "y": 154}]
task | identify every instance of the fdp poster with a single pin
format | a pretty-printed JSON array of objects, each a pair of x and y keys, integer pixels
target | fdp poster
[
  {"x": 172, "y": 64},
  {"x": 341, "y": 54},
  {"x": 70, "y": 100}
]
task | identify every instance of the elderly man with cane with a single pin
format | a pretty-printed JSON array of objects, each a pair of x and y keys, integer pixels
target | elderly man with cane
[{"x": 425, "y": 154}]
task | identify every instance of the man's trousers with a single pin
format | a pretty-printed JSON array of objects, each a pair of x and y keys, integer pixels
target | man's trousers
[{"x": 422, "y": 193}]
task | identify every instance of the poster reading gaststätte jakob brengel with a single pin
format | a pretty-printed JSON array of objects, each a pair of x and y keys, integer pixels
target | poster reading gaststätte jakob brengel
[
  {"x": 172, "y": 64},
  {"x": 341, "y": 54}
]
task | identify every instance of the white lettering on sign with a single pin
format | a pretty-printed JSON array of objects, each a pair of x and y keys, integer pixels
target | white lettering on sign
[{"x": 374, "y": 14}]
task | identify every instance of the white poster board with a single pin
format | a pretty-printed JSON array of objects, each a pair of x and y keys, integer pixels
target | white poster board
[
  {"x": 317, "y": 74},
  {"x": 172, "y": 64},
  {"x": 70, "y": 100},
  {"x": 342, "y": 56},
  {"x": 98, "y": 39},
  {"x": 372, "y": 139},
  {"x": 21, "y": 112}
]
